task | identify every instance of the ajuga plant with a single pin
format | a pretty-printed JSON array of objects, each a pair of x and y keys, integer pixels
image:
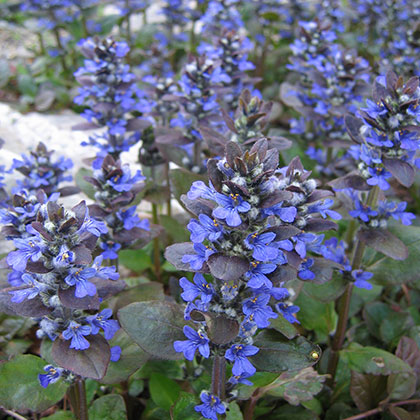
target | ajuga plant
[
  {"x": 116, "y": 188},
  {"x": 198, "y": 101},
  {"x": 387, "y": 138},
  {"x": 40, "y": 171},
  {"x": 55, "y": 16},
  {"x": 57, "y": 283},
  {"x": 231, "y": 50},
  {"x": 249, "y": 124},
  {"x": 251, "y": 235},
  {"x": 112, "y": 98},
  {"x": 332, "y": 81},
  {"x": 221, "y": 14},
  {"x": 397, "y": 24}
]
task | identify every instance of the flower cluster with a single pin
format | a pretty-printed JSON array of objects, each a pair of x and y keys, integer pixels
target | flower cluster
[
  {"x": 109, "y": 92},
  {"x": 391, "y": 27},
  {"x": 231, "y": 50},
  {"x": 335, "y": 250},
  {"x": 116, "y": 187},
  {"x": 249, "y": 236},
  {"x": 54, "y": 279},
  {"x": 53, "y": 13},
  {"x": 221, "y": 14},
  {"x": 41, "y": 172},
  {"x": 332, "y": 81},
  {"x": 387, "y": 135}
]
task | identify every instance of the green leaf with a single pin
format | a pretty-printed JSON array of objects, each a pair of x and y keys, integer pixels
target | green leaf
[
  {"x": 20, "y": 389},
  {"x": 136, "y": 260},
  {"x": 296, "y": 387},
  {"x": 400, "y": 414},
  {"x": 181, "y": 181},
  {"x": 132, "y": 358},
  {"x": 259, "y": 380},
  {"x": 277, "y": 354},
  {"x": 154, "y": 326},
  {"x": 184, "y": 407},
  {"x": 387, "y": 271},
  {"x": 373, "y": 314},
  {"x": 233, "y": 412},
  {"x": 5, "y": 72},
  {"x": 317, "y": 316},
  {"x": 401, "y": 386},
  {"x": 284, "y": 327},
  {"x": 164, "y": 391},
  {"x": 373, "y": 360},
  {"x": 142, "y": 292},
  {"x": 85, "y": 186},
  {"x": 60, "y": 415},
  {"x": 328, "y": 291},
  {"x": 174, "y": 228},
  {"x": 394, "y": 326},
  {"x": 27, "y": 85},
  {"x": 108, "y": 407}
]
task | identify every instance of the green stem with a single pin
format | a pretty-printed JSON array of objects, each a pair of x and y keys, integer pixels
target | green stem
[
  {"x": 77, "y": 397},
  {"x": 168, "y": 183},
  {"x": 344, "y": 301},
  {"x": 61, "y": 48},
  {"x": 197, "y": 153},
  {"x": 81, "y": 390},
  {"x": 156, "y": 245},
  {"x": 41, "y": 44}
]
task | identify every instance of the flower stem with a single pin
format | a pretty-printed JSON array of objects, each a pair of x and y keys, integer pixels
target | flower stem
[
  {"x": 218, "y": 380},
  {"x": 156, "y": 246},
  {"x": 77, "y": 397},
  {"x": 379, "y": 409},
  {"x": 344, "y": 301}
]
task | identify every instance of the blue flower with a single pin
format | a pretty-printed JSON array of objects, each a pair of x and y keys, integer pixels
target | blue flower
[
  {"x": 378, "y": 176},
  {"x": 304, "y": 271},
  {"x": 230, "y": 207},
  {"x": 101, "y": 320},
  {"x": 94, "y": 227},
  {"x": 257, "y": 275},
  {"x": 206, "y": 228},
  {"x": 211, "y": 407},
  {"x": 125, "y": 182},
  {"x": 79, "y": 277},
  {"x": 323, "y": 209},
  {"x": 34, "y": 289},
  {"x": 28, "y": 249},
  {"x": 65, "y": 257},
  {"x": 238, "y": 354},
  {"x": 196, "y": 340},
  {"x": 199, "y": 288},
  {"x": 241, "y": 379},
  {"x": 76, "y": 333},
  {"x": 110, "y": 250},
  {"x": 115, "y": 353},
  {"x": 197, "y": 260},
  {"x": 287, "y": 311},
  {"x": 131, "y": 220},
  {"x": 200, "y": 190},
  {"x": 53, "y": 375},
  {"x": 286, "y": 214},
  {"x": 258, "y": 310},
  {"x": 361, "y": 279},
  {"x": 108, "y": 272},
  {"x": 362, "y": 211},
  {"x": 374, "y": 109},
  {"x": 260, "y": 244}
]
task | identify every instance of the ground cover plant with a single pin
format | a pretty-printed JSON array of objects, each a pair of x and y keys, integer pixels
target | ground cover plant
[{"x": 258, "y": 256}]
